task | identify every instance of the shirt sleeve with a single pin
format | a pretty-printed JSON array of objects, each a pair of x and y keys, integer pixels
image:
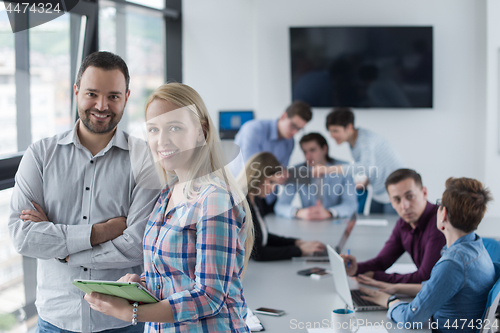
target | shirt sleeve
[
  {"x": 392, "y": 250},
  {"x": 349, "y": 200},
  {"x": 447, "y": 279},
  {"x": 42, "y": 240},
  {"x": 249, "y": 140},
  {"x": 277, "y": 248},
  {"x": 217, "y": 247},
  {"x": 283, "y": 205},
  {"x": 367, "y": 158},
  {"x": 126, "y": 250},
  {"x": 432, "y": 253},
  {"x": 286, "y": 161}
]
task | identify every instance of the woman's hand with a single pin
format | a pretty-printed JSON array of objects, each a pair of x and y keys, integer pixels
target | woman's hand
[
  {"x": 375, "y": 296},
  {"x": 132, "y": 278},
  {"x": 308, "y": 248},
  {"x": 385, "y": 287},
  {"x": 110, "y": 305}
]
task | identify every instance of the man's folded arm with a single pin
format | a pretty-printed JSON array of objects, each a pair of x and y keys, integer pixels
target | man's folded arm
[
  {"x": 43, "y": 240},
  {"x": 125, "y": 250}
]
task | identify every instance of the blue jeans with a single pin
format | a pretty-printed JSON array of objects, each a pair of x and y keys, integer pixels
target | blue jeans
[{"x": 45, "y": 327}]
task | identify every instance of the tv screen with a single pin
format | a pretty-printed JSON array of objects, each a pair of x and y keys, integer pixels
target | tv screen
[{"x": 362, "y": 67}]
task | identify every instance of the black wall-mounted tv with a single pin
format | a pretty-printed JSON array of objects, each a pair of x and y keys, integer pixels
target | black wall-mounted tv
[{"x": 362, "y": 67}]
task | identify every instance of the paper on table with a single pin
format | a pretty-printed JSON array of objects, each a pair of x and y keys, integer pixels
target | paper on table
[
  {"x": 361, "y": 329},
  {"x": 253, "y": 322},
  {"x": 373, "y": 222},
  {"x": 402, "y": 269}
]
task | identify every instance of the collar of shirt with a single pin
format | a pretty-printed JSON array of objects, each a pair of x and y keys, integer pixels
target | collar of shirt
[
  {"x": 165, "y": 196},
  {"x": 274, "y": 131},
  {"x": 464, "y": 239},
  {"x": 119, "y": 140},
  {"x": 429, "y": 211}
]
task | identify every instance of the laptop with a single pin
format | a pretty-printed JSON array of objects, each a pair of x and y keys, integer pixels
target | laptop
[
  {"x": 347, "y": 233},
  {"x": 352, "y": 298},
  {"x": 343, "y": 239}
]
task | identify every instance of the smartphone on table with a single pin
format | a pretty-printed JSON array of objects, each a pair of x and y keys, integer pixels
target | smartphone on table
[
  {"x": 270, "y": 312},
  {"x": 309, "y": 271}
]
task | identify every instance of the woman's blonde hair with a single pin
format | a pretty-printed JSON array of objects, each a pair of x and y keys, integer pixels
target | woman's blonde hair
[
  {"x": 208, "y": 163},
  {"x": 259, "y": 167}
]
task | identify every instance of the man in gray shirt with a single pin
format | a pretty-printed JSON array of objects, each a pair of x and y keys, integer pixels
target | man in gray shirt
[
  {"x": 82, "y": 200},
  {"x": 374, "y": 157}
]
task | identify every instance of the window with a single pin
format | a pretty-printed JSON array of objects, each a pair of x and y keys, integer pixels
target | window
[
  {"x": 141, "y": 46},
  {"x": 158, "y": 4},
  {"x": 51, "y": 83},
  {"x": 8, "y": 134}
]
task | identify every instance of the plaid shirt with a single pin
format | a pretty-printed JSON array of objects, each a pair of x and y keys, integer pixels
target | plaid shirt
[{"x": 194, "y": 256}]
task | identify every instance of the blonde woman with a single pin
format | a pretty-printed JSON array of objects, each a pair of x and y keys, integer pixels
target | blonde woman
[
  {"x": 262, "y": 173},
  {"x": 200, "y": 234}
]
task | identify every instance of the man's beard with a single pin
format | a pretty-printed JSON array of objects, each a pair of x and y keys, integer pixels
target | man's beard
[{"x": 99, "y": 128}]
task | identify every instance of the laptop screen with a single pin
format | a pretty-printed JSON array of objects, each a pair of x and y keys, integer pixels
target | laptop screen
[
  {"x": 347, "y": 233},
  {"x": 340, "y": 277}
]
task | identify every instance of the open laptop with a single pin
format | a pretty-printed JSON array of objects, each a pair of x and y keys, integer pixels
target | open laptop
[
  {"x": 347, "y": 233},
  {"x": 351, "y": 297},
  {"x": 343, "y": 239}
]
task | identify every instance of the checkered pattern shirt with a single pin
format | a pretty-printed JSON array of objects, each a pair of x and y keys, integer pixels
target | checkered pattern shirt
[{"x": 194, "y": 256}]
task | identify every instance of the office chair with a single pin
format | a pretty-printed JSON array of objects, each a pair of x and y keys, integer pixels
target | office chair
[
  {"x": 492, "y": 304},
  {"x": 368, "y": 201},
  {"x": 493, "y": 248}
]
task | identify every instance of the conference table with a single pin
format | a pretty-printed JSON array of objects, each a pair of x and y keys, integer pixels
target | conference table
[{"x": 308, "y": 303}]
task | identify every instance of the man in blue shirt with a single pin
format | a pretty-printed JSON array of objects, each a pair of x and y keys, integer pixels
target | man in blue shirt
[
  {"x": 329, "y": 196},
  {"x": 274, "y": 136}
]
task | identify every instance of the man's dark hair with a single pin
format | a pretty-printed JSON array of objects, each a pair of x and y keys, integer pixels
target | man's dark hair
[
  {"x": 104, "y": 60},
  {"x": 320, "y": 140},
  {"x": 301, "y": 109},
  {"x": 403, "y": 174},
  {"x": 340, "y": 117}
]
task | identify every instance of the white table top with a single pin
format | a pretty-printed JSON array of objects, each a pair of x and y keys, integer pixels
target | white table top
[{"x": 309, "y": 302}]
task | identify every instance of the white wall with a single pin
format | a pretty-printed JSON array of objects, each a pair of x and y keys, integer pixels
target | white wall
[
  {"x": 492, "y": 160},
  {"x": 236, "y": 54}
]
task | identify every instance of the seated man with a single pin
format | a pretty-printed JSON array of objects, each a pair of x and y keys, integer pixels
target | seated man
[
  {"x": 415, "y": 232},
  {"x": 330, "y": 196}
]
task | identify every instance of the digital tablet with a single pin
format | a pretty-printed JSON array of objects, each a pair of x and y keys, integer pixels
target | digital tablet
[{"x": 132, "y": 291}]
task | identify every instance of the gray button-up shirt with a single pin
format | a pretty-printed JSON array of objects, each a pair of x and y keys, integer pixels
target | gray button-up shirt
[{"x": 77, "y": 190}]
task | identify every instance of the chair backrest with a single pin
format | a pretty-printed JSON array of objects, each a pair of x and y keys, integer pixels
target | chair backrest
[
  {"x": 368, "y": 202},
  {"x": 492, "y": 303},
  {"x": 493, "y": 248}
]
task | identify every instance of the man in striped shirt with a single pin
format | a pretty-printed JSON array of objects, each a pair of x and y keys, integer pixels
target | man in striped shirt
[{"x": 374, "y": 157}]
